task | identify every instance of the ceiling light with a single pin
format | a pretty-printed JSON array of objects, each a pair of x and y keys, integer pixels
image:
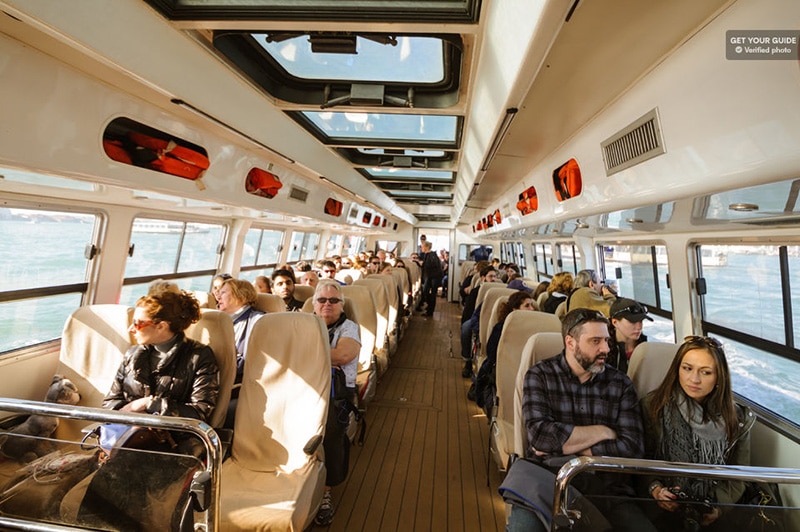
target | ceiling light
[
  {"x": 634, "y": 220},
  {"x": 743, "y": 207},
  {"x": 581, "y": 225}
]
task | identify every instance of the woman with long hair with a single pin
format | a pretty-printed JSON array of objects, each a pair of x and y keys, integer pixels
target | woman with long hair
[{"x": 691, "y": 417}]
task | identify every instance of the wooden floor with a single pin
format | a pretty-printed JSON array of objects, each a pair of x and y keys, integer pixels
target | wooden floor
[{"x": 423, "y": 462}]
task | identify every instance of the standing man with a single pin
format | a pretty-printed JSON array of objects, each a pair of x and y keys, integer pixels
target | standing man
[
  {"x": 431, "y": 277},
  {"x": 573, "y": 404}
]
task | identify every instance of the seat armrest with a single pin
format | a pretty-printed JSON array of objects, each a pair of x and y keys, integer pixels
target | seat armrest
[{"x": 313, "y": 444}]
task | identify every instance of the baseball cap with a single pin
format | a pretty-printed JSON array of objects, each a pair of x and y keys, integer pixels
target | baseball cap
[
  {"x": 519, "y": 284},
  {"x": 629, "y": 309}
]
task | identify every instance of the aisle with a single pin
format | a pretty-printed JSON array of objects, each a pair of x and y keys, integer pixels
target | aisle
[{"x": 423, "y": 464}]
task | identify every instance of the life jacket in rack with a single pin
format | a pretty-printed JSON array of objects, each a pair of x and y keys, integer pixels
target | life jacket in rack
[
  {"x": 567, "y": 180},
  {"x": 262, "y": 183},
  {"x": 166, "y": 156},
  {"x": 334, "y": 207}
]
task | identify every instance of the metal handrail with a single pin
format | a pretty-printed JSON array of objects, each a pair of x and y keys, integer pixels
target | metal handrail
[
  {"x": 640, "y": 467},
  {"x": 199, "y": 428}
]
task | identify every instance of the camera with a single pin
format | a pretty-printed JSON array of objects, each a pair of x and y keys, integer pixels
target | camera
[{"x": 693, "y": 510}]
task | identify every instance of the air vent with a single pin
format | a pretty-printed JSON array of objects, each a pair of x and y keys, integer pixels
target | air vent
[
  {"x": 636, "y": 143},
  {"x": 298, "y": 194}
]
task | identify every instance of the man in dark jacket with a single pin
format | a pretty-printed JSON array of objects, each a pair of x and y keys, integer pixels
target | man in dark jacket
[{"x": 431, "y": 277}]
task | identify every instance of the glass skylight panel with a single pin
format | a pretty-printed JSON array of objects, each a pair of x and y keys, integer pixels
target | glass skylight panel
[
  {"x": 385, "y": 127},
  {"x": 410, "y": 153},
  {"x": 409, "y": 60},
  {"x": 403, "y": 173},
  {"x": 419, "y": 194}
]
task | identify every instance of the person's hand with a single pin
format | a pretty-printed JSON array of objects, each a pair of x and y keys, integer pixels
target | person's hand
[
  {"x": 710, "y": 517},
  {"x": 137, "y": 405},
  {"x": 665, "y": 497}
]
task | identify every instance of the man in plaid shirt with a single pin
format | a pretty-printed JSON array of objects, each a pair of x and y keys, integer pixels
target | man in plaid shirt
[{"x": 573, "y": 404}]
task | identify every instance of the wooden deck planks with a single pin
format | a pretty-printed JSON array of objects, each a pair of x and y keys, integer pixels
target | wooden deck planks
[{"x": 423, "y": 463}]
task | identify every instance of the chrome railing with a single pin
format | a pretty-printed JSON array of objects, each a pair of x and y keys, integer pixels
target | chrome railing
[
  {"x": 640, "y": 467},
  {"x": 199, "y": 428}
]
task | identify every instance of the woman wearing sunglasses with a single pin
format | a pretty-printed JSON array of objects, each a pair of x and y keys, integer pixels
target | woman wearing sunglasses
[
  {"x": 165, "y": 373},
  {"x": 627, "y": 318},
  {"x": 691, "y": 417},
  {"x": 345, "y": 346}
]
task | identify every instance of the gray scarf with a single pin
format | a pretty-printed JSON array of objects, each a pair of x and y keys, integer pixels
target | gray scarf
[{"x": 687, "y": 438}]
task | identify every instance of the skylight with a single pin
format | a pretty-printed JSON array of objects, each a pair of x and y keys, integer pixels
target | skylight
[
  {"x": 389, "y": 59},
  {"x": 404, "y": 174},
  {"x": 410, "y": 129}
]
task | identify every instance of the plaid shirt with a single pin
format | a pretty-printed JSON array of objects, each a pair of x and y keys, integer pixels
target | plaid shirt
[{"x": 555, "y": 401}]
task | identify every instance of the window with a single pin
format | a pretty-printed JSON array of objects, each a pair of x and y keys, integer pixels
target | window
[
  {"x": 303, "y": 246},
  {"x": 570, "y": 258},
  {"x": 353, "y": 245},
  {"x": 333, "y": 245},
  {"x": 43, "y": 272},
  {"x": 184, "y": 252},
  {"x": 746, "y": 306},
  {"x": 262, "y": 248},
  {"x": 543, "y": 257},
  {"x": 640, "y": 273}
]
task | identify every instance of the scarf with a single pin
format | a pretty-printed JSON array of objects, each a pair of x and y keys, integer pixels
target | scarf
[
  {"x": 335, "y": 325},
  {"x": 687, "y": 438}
]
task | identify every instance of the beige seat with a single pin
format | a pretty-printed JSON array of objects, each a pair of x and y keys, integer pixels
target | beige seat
[
  {"x": 215, "y": 329},
  {"x": 93, "y": 343},
  {"x": 484, "y": 288},
  {"x": 466, "y": 268},
  {"x": 269, "y": 303},
  {"x": 538, "y": 347},
  {"x": 270, "y": 482},
  {"x": 541, "y": 299},
  {"x": 380, "y": 297},
  {"x": 393, "y": 298},
  {"x": 518, "y": 328},
  {"x": 492, "y": 293},
  {"x": 649, "y": 364},
  {"x": 303, "y": 292},
  {"x": 352, "y": 273},
  {"x": 360, "y": 300},
  {"x": 561, "y": 310},
  {"x": 204, "y": 299}
]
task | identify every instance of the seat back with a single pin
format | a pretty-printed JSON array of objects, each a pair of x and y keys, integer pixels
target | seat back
[
  {"x": 403, "y": 285},
  {"x": 380, "y": 297},
  {"x": 215, "y": 329},
  {"x": 541, "y": 299},
  {"x": 466, "y": 268},
  {"x": 649, "y": 364},
  {"x": 392, "y": 297},
  {"x": 93, "y": 343},
  {"x": 283, "y": 401},
  {"x": 519, "y": 326},
  {"x": 354, "y": 275},
  {"x": 269, "y": 303},
  {"x": 493, "y": 292},
  {"x": 362, "y": 311},
  {"x": 204, "y": 299},
  {"x": 484, "y": 289},
  {"x": 303, "y": 292},
  {"x": 538, "y": 347}
]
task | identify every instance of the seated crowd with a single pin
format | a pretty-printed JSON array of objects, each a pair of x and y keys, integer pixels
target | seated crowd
[{"x": 582, "y": 402}]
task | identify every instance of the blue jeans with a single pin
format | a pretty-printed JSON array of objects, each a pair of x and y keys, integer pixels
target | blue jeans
[{"x": 467, "y": 329}]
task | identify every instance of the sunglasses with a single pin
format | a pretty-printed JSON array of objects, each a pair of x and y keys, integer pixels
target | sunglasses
[
  {"x": 706, "y": 340},
  {"x": 582, "y": 316},
  {"x": 141, "y": 324},
  {"x": 632, "y": 309},
  {"x": 331, "y": 300}
]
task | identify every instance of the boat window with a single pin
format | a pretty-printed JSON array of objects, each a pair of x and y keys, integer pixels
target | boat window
[
  {"x": 184, "y": 252},
  {"x": 303, "y": 246},
  {"x": 543, "y": 258},
  {"x": 570, "y": 258},
  {"x": 262, "y": 248},
  {"x": 640, "y": 273},
  {"x": 333, "y": 245},
  {"x": 523, "y": 267},
  {"x": 353, "y": 245},
  {"x": 751, "y": 305},
  {"x": 44, "y": 265}
]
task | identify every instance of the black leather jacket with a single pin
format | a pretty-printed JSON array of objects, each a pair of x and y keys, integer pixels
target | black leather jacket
[{"x": 184, "y": 381}]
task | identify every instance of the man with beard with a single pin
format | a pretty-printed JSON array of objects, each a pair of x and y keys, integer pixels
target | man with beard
[{"x": 573, "y": 404}]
